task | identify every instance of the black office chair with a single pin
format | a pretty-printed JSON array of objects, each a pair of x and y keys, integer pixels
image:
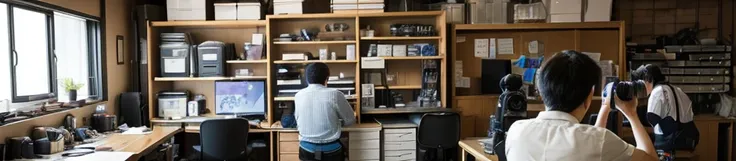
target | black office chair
[
  {"x": 223, "y": 139},
  {"x": 438, "y": 132}
]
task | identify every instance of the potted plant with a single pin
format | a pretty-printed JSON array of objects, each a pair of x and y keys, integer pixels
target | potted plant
[{"x": 71, "y": 88}]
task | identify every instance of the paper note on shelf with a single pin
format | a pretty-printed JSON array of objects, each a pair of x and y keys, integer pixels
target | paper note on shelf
[
  {"x": 257, "y": 39},
  {"x": 594, "y": 56},
  {"x": 458, "y": 69},
  {"x": 492, "y": 48},
  {"x": 463, "y": 82},
  {"x": 506, "y": 46},
  {"x": 175, "y": 65},
  {"x": 460, "y": 39},
  {"x": 372, "y": 63},
  {"x": 481, "y": 48}
]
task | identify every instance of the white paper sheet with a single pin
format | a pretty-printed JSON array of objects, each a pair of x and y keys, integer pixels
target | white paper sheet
[
  {"x": 257, "y": 39},
  {"x": 594, "y": 56},
  {"x": 506, "y": 46},
  {"x": 458, "y": 69},
  {"x": 384, "y": 49},
  {"x": 481, "y": 48},
  {"x": 460, "y": 39},
  {"x": 177, "y": 65},
  {"x": 463, "y": 82},
  {"x": 492, "y": 48},
  {"x": 106, "y": 156},
  {"x": 534, "y": 47}
]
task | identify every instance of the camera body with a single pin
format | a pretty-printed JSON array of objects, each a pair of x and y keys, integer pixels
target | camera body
[
  {"x": 512, "y": 106},
  {"x": 625, "y": 90}
]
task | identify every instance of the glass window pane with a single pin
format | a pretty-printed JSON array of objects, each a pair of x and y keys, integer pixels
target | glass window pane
[
  {"x": 31, "y": 45},
  {"x": 5, "y": 90},
  {"x": 70, "y": 34}
]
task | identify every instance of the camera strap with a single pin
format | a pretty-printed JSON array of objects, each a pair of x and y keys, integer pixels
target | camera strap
[{"x": 677, "y": 105}]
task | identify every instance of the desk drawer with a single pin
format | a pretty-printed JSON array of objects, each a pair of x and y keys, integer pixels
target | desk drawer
[
  {"x": 289, "y": 147},
  {"x": 399, "y": 155},
  {"x": 289, "y": 157},
  {"x": 364, "y": 154},
  {"x": 399, "y": 145},
  {"x": 288, "y": 136},
  {"x": 400, "y": 134},
  {"x": 364, "y": 144},
  {"x": 374, "y": 135}
]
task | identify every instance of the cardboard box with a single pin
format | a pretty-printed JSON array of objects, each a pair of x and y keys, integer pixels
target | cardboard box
[
  {"x": 189, "y": 10},
  {"x": 226, "y": 11},
  {"x": 249, "y": 11}
]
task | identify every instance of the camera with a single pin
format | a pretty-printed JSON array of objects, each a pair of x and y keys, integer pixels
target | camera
[
  {"x": 512, "y": 105},
  {"x": 625, "y": 90}
]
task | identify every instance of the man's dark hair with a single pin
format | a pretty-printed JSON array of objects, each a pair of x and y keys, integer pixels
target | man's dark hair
[
  {"x": 650, "y": 73},
  {"x": 317, "y": 73},
  {"x": 565, "y": 80}
]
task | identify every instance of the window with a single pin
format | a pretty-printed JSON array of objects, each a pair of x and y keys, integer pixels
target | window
[
  {"x": 40, "y": 47},
  {"x": 70, "y": 37}
]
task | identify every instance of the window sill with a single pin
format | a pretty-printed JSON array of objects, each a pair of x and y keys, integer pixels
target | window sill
[{"x": 63, "y": 111}]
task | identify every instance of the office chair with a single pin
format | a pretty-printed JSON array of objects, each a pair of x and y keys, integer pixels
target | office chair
[
  {"x": 131, "y": 111},
  {"x": 438, "y": 131},
  {"x": 224, "y": 139}
]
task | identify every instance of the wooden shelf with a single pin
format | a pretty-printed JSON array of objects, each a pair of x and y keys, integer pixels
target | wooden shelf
[
  {"x": 542, "y": 26},
  {"x": 314, "y": 61},
  {"x": 242, "y": 23},
  {"x": 401, "y": 87},
  {"x": 402, "y": 14},
  {"x": 313, "y": 42},
  {"x": 311, "y": 16},
  {"x": 404, "y": 110},
  {"x": 411, "y": 57},
  {"x": 207, "y": 78},
  {"x": 292, "y": 98},
  {"x": 247, "y": 61},
  {"x": 397, "y": 38}
]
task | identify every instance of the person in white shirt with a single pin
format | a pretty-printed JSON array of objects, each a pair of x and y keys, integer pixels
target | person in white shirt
[
  {"x": 566, "y": 83},
  {"x": 664, "y": 104}
]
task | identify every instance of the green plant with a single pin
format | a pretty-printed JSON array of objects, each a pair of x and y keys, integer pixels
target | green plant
[{"x": 68, "y": 84}]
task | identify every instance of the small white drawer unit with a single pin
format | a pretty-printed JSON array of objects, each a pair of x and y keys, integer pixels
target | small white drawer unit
[
  {"x": 400, "y": 144},
  {"x": 364, "y": 145}
]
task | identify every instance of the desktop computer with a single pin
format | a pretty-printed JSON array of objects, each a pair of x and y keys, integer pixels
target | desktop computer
[{"x": 241, "y": 98}]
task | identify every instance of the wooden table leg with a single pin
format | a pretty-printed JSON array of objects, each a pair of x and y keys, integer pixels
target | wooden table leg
[
  {"x": 730, "y": 141},
  {"x": 464, "y": 153}
]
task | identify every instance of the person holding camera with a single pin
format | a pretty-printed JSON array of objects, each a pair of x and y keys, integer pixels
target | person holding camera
[
  {"x": 669, "y": 110},
  {"x": 566, "y": 83}
]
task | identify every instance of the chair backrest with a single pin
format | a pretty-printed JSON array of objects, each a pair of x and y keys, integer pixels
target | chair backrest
[
  {"x": 224, "y": 139},
  {"x": 130, "y": 109},
  {"x": 439, "y": 130}
]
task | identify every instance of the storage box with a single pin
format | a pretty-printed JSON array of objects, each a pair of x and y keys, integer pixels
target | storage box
[
  {"x": 249, "y": 11},
  {"x": 455, "y": 12},
  {"x": 565, "y": 10},
  {"x": 226, "y": 11},
  {"x": 490, "y": 11},
  {"x": 288, "y": 7},
  {"x": 189, "y": 10}
]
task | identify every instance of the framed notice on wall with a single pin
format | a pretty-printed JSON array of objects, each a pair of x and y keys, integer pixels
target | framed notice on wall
[{"x": 120, "y": 49}]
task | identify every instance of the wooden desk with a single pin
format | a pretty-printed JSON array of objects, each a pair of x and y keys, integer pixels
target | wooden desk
[
  {"x": 472, "y": 146},
  {"x": 191, "y": 124},
  {"x": 137, "y": 144},
  {"x": 140, "y": 145}
]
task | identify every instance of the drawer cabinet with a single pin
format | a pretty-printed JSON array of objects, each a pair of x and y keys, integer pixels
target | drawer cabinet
[
  {"x": 289, "y": 157},
  {"x": 288, "y": 146},
  {"x": 400, "y": 155},
  {"x": 372, "y": 135},
  {"x": 399, "y": 144},
  {"x": 408, "y": 134},
  {"x": 364, "y": 145},
  {"x": 365, "y": 154}
]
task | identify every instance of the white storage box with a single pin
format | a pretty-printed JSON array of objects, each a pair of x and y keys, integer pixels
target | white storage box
[
  {"x": 249, "y": 11},
  {"x": 288, "y": 7},
  {"x": 565, "y": 10},
  {"x": 189, "y": 10},
  {"x": 226, "y": 11},
  {"x": 455, "y": 12}
]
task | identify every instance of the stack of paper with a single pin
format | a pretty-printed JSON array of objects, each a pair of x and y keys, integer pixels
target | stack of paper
[{"x": 357, "y": 6}]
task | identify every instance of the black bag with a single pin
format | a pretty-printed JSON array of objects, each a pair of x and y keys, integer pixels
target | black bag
[{"x": 687, "y": 136}]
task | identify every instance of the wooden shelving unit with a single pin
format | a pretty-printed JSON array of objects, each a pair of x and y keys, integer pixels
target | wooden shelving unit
[
  {"x": 210, "y": 24},
  {"x": 236, "y": 32},
  {"x": 314, "y": 61},
  {"x": 312, "y": 42},
  {"x": 401, "y": 87},
  {"x": 413, "y": 57},
  {"x": 247, "y": 61},
  {"x": 208, "y": 78},
  {"x": 398, "y": 38}
]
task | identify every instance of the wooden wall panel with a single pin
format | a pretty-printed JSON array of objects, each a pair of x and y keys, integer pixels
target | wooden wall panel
[
  {"x": 707, "y": 148},
  {"x": 91, "y": 7},
  {"x": 117, "y": 17}
]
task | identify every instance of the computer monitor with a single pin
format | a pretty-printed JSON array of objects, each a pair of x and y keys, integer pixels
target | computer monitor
[{"x": 242, "y": 98}]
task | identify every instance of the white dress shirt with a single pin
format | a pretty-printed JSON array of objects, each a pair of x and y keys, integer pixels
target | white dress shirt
[
  {"x": 558, "y": 136},
  {"x": 320, "y": 113},
  {"x": 662, "y": 103}
]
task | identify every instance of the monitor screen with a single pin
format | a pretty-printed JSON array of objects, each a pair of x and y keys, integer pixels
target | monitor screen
[{"x": 240, "y": 97}]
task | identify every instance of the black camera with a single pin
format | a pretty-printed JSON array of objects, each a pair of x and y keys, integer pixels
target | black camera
[
  {"x": 625, "y": 90},
  {"x": 511, "y": 108}
]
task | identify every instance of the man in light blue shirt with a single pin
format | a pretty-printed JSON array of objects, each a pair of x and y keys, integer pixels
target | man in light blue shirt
[{"x": 320, "y": 113}]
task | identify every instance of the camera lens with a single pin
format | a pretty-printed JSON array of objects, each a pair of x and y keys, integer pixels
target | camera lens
[{"x": 626, "y": 90}]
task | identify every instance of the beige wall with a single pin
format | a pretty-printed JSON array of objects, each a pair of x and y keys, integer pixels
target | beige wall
[{"x": 117, "y": 17}]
